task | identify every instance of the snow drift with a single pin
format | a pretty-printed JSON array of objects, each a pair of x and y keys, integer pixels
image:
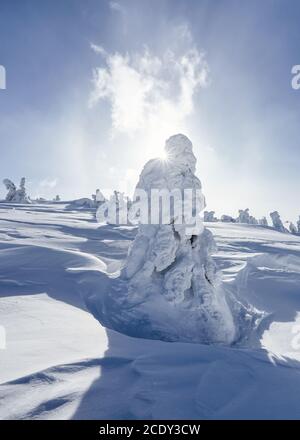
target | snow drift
[{"x": 61, "y": 364}]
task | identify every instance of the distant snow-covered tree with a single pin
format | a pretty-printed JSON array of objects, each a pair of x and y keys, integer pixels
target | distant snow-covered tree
[
  {"x": 263, "y": 221},
  {"x": 56, "y": 198},
  {"x": 209, "y": 216},
  {"x": 118, "y": 205},
  {"x": 21, "y": 195},
  {"x": 227, "y": 219},
  {"x": 11, "y": 188},
  {"x": 16, "y": 195},
  {"x": 98, "y": 197},
  {"x": 292, "y": 228},
  {"x": 277, "y": 223},
  {"x": 298, "y": 225},
  {"x": 244, "y": 216},
  {"x": 252, "y": 220}
]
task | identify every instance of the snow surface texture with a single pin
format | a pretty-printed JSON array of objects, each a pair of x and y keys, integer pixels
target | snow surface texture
[
  {"x": 86, "y": 203},
  {"x": 169, "y": 288},
  {"x": 59, "y": 363}
]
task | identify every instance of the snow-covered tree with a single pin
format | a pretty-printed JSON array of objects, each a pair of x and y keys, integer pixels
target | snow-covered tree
[
  {"x": 298, "y": 225},
  {"x": 16, "y": 195},
  {"x": 244, "y": 216},
  {"x": 292, "y": 228},
  {"x": 118, "y": 207},
  {"x": 227, "y": 219},
  {"x": 56, "y": 198},
  {"x": 98, "y": 197},
  {"x": 263, "y": 221},
  {"x": 209, "y": 216},
  {"x": 277, "y": 223},
  {"x": 169, "y": 288},
  {"x": 252, "y": 220},
  {"x": 22, "y": 188},
  {"x": 11, "y": 188}
]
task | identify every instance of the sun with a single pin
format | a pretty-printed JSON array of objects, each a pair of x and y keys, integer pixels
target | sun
[{"x": 163, "y": 155}]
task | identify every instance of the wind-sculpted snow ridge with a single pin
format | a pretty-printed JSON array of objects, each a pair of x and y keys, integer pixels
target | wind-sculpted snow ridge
[
  {"x": 84, "y": 203},
  {"x": 169, "y": 288},
  {"x": 87, "y": 203}
]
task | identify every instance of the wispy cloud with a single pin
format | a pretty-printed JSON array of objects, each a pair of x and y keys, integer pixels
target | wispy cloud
[
  {"x": 115, "y": 6},
  {"x": 149, "y": 92},
  {"x": 48, "y": 183},
  {"x": 98, "y": 49}
]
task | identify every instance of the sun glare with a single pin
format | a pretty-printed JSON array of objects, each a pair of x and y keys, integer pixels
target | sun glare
[{"x": 163, "y": 155}]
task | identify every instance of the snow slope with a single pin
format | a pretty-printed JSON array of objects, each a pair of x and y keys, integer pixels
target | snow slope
[{"x": 60, "y": 363}]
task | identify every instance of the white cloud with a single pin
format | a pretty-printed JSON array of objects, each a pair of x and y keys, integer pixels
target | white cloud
[
  {"x": 98, "y": 49},
  {"x": 151, "y": 95},
  {"x": 115, "y": 6},
  {"x": 144, "y": 88},
  {"x": 48, "y": 183}
]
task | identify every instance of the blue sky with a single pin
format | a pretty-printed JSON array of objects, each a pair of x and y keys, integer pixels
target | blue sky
[{"x": 70, "y": 135}]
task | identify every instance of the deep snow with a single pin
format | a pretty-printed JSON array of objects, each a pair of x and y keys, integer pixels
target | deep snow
[{"x": 60, "y": 363}]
